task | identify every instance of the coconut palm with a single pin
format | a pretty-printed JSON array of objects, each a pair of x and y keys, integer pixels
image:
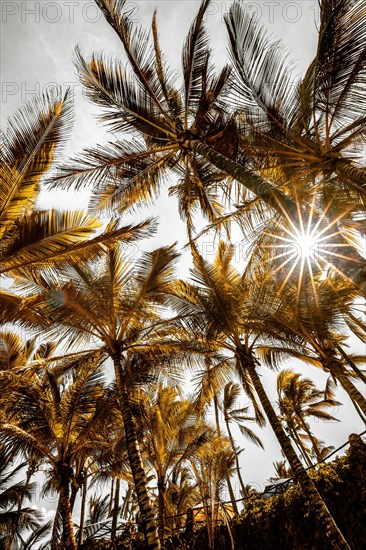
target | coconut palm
[
  {"x": 299, "y": 399},
  {"x": 212, "y": 463},
  {"x": 240, "y": 416},
  {"x": 116, "y": 304},
  {"x": 230, "y": 307},
  {"x": 15, "y": 519},
  {"x": 315, "y": 127},
  {"x": 59, "y": 420},
  {"x": 318, "y": 313},
  {"x": 193, "y": 132},
  {"x": 307, "y": 135},
  {"x": 173, "y": 435},
  {"x": 32, "y": 239},
  {"x": 209, "y": 382}
]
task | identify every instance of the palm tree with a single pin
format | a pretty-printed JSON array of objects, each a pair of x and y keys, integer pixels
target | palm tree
[
  {"x": 299, "y": 399},
  {"x": 211, "y": 465},
  {"x": 38, "y": 240},
  {"x": 173, "y": 435},
  {"x": 240, "y": 416},
  {"x": 193, "y": 132},
  {"x": 231, "y": 307},
  {"x": 116, "y": 304},
  {"x": 317, "y": 313},
  {"x": 59, "y": 420},
  {"x": 14, "y": 519},
  {"x": 314, "y": 128}
]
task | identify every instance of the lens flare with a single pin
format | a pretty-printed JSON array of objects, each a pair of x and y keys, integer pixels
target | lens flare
[{"x": 305, "y": 246}]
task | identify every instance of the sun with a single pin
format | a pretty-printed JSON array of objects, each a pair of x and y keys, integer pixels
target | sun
[{"x": 304, "y": 246}]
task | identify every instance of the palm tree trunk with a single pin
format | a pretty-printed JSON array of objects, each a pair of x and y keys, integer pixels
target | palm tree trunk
[
  {"x": 227, "y": 476},
  {"x": 351, "y": 263},
  {"x": 354, "y": 367},
  {"x": 297, "y": 440},
  {"x": 161, "y": 512},
  {"x": 67, "y": 524},
  {"x": 310, "y": 436},
  {"x": 337, "y": 370},
  {"x": 256, "y": 184},
  {"x": 124, "y": 511},
  {"x": 54, "y": 541},
  {"x": 243, "y": 488},
  {"x": 115, "y": 509},
  {"x": 83, "y": 509},
  {"x": 135, "y": 460},
  {"x": 110, "y": 507},
  {"x": 315, "y": 500}
]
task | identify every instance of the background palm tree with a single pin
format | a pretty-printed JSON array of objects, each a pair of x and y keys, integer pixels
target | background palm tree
[
  {"x": 173, "y": 435},
  {"x": 59, "y": 420},
  {"x": 15, "y": 521},
  {"x": 240, "y": 416},
  {"x": 195, "y": 132},
  {"x": 298, "y": 400},
  {"x": 227, "y": 304},
  {"x": 117, "y": 305}
]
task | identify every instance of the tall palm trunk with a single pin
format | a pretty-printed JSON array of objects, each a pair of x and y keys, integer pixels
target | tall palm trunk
[
  {"x": 315, "y": 500},
  {"x": 135, "y": 460},
  {"x": 161, "y": 511},
  {"x": 337, "y": 370},
  {"x": 115, "y": 509},
  {"x": 227, "y": 476},
  {"x": 111, "y": 499},
  {"x": 348, "y": 360},
  {"x": 124, "y": 510},
  {"x": 310, "y": 436},
  {"x": 243, "y": 488},
  {"x": 83, "y": 510},
  {"x": 56, "y": 521},
  {"x": 299, "y": 444},
  {"x": 65, "y": 508},
  {"x": 351, "y": 263}
]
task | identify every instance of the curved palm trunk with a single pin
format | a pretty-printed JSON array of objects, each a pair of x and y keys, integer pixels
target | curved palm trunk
[
  {"x": 351, "y": 172},
  {"x": 243, "y": 488},
  {"x": 337, "y": 370},
  {"x": 315, "y": 500},
  {"x": 351, "y": 263},
  {"x": 65, "y": 509},
  {"x": 351, "y": 363},
  {"x": 135, "y": 460},
  {"x": 54, "y": 542}
]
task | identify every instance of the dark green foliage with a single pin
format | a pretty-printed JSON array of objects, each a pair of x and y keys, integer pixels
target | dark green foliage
[{"x": 285, "y": 521}]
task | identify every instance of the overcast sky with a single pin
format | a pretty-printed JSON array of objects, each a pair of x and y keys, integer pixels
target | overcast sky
[{"x": 37, "y": 44}]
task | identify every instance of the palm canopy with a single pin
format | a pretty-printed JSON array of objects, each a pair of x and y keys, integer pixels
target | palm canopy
[
  {"x": 300, "y": 400},
  {"x": 193, "y": 131},
  {"x": 144, "y": 100},
  {"x": 40, "y": 240},
  {"x": 317, "y": 126},
  {"x": 231, "y": 311},
  {"x": 116, "y": 305}
]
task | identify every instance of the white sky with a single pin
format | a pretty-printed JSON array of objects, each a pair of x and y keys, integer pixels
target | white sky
[{"x": 37, "y": 43}]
